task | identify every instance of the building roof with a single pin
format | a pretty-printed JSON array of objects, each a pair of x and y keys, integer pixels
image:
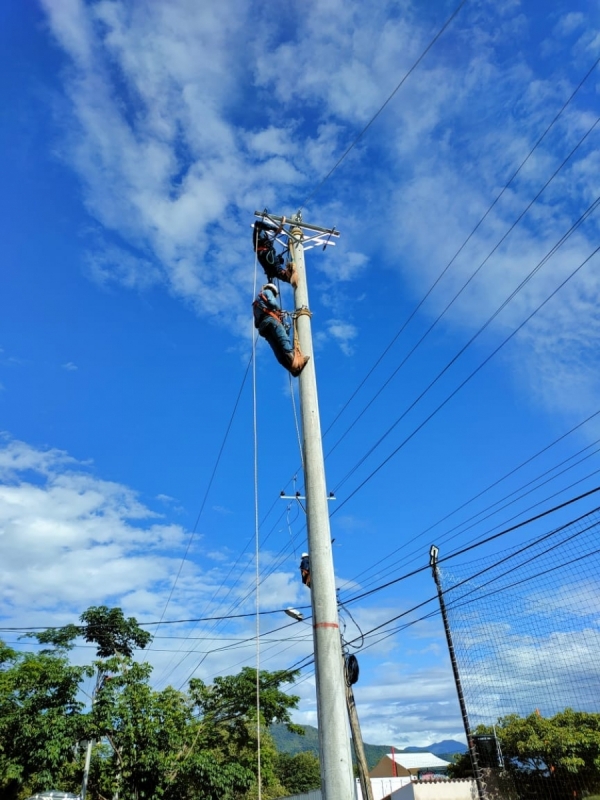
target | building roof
[{"x": 418, "y": 760}]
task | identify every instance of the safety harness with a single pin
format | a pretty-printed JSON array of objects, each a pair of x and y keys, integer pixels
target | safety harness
[
  {"x": 262, "y": 309},
  {"x": 264, "y": 246}
]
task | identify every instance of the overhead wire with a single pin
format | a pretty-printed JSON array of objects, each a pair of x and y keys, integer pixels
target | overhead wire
[
  {"x": 473, "y": 231},
  {"x": 451, "y": 534},
  {"x": 574, "y": 227},
  {"x": 511, "y": 179},
  {"x": 463, "y": 383},
  {"x": 541, "y": 305},
  {"x": 457, "y": 602},
  {"x": 464, "y": 550},
  {"x": 206, "y": 493},
  {"x": 383, "y": 106},
  {"x": 479, "y": 543},
  {"x": 465, "y": 242},
  {"x": 365, "y": 131}
]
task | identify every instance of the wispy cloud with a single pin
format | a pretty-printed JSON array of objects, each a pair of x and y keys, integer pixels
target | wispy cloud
[{"x": 172, "y": 164}]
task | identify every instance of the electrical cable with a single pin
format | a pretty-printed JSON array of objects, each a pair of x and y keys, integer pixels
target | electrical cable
[
  {"x": 557, "y": 116},
  {"x": 206, "y": 493},
  {"x": 461, "y": 601},
  {"x": 479, "y": 543},
  {"x": 522, "y": 164},
  {"x": 574, "y": 227},
  {"x": 581, "y": 219},
  {"x": 447, "y": 537},
  {"x": 382, "y": 107},
  {"x": 462, "y": 384},
  {"x": 464, "y": 244}
]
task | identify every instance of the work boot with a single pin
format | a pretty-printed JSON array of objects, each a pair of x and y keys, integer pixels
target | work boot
[
  {"x": 291, "y": 274},
  {"x": 298, "y": 363}
]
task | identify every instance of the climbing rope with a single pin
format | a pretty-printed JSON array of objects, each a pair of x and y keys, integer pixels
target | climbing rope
[
  {"x": 298, "y": 436},
  {"x": 256, "y": 542},
  {"x": 300, "y": 312}
]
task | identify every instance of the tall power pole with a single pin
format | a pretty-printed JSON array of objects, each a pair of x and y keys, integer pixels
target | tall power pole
[{"x": 337, "y": 781}]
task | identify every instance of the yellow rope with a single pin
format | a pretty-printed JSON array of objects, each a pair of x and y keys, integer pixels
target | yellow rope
[{"x": 301, "y": 312}]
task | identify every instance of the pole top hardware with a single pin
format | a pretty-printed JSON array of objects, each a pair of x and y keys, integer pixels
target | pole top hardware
[
  {"x": 319, "y": 235},
  {"x": 433, "y": 556},
  {"x": 298, "y": 496}
]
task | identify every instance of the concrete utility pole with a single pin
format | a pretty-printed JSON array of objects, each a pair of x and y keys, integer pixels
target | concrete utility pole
[{"x": 337, "y": 781}]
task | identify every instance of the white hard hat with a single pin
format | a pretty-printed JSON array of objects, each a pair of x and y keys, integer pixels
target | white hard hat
[
  {"x": 304, "y": 555},
  {"x": 271, "y": 287}
]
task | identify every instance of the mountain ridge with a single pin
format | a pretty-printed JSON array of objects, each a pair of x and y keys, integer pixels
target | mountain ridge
[{"x": 294, "y": 743}]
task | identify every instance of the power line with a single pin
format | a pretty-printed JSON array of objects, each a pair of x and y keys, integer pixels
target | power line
[
  {"x": 272, "y": 568},
  {"x": 581, "y": 219},
  {"x": 461, "y": 385},
  {"x": 463, "y": 245},
  {"x": 381, "y": 108},
  {"x": 481, "y": 220},
  {"x": 206, "y": 493},
  {"x": 479, "y": 543},
  {"x": 446, "y": 537}
]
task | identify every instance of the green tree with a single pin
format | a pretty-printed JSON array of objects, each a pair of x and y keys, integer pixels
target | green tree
[
  {"x": 299, "y": 773},
  {"x": 230, "y": 723},
  {"x": 171, "y": 745},
  {"x": 106, "y": 627},
  {"x": 40, "y": 720},
  {"x": 555, "y": 756}
]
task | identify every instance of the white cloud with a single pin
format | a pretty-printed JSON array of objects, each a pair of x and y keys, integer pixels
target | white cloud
[
  {"x": 184, "y": 120},
  {"x": 569, "y": 23},
  {"x": 69, "y": 540},
  {"x": 343, "y": 333}
]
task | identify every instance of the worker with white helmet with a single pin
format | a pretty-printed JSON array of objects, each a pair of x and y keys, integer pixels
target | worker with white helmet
[
  {"x": 268, "y": 318},
  {"x": 305, "y": 569}
]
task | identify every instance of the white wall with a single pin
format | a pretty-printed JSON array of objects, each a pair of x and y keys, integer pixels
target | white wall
[
  {"x": 382, "y": 787},
  {"x": 437, "y": 790}
]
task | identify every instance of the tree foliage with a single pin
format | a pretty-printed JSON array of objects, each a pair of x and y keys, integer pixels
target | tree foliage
[
  {"x": 547, "y": 756},
  {"x": 298, "y": 773},
  {"x": 41, "y": 719},
  {"x": 148, "y": 744},
  {"x": 105, "y": 627}
]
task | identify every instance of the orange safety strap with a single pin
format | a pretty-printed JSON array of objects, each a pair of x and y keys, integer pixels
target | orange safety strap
[{"x": 268, "y": 311}]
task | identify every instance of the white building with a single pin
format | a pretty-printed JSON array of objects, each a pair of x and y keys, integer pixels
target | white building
[{"x": 413, "y": 765}]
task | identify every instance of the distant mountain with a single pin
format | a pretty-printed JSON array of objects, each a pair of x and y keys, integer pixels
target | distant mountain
[
  {"x": 293, "y": 743},
  {"x": 437, "y": 748}
]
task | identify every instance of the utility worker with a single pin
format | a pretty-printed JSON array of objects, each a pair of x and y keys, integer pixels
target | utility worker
[
  {"x": 263, "y": 238},
  {"x": 268, "y": 318},
  {"x": 305, "y": 569}
]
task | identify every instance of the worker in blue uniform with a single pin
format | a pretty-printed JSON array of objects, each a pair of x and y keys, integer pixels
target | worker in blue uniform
[
  {"x": 263, "y": 238},
  {"x": 305, "y": 569},
  {"x": 268, "y": 318}
]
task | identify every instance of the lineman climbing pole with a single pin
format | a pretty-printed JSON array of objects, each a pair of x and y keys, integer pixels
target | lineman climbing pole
[{"x": 337, "y": 781}]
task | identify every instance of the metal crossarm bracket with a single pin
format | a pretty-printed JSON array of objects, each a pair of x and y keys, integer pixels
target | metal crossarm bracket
[
  {"x": 320, "y": 236},
  {"x": 299, "y": 496}
]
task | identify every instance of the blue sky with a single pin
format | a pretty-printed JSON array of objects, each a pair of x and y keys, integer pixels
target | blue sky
[{"x": 137, "y": 141}]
